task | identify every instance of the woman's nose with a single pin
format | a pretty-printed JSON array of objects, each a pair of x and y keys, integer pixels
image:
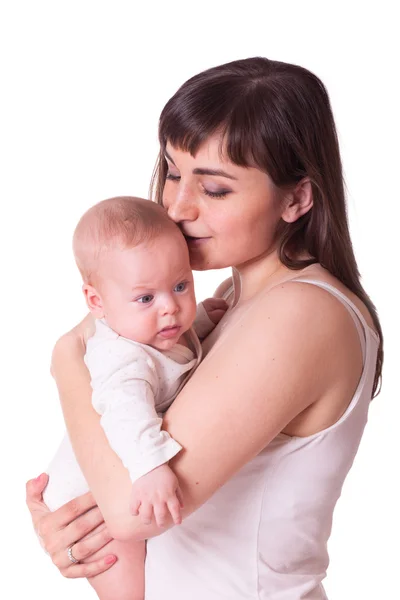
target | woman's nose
[{"x": 181, "y": 204}]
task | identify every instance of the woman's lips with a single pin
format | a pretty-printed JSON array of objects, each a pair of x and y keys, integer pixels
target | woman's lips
[
  {"x": 195, "y": 241},
  {"x": 170, "y": 332}
]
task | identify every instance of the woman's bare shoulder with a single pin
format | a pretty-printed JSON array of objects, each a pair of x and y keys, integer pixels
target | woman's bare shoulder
[
  {"x": 294, "y": 325},
  {"x": 294, "y": 308},
  {"x": 318, "y": 344},
  {"x": 318, "y": 274},
  {"x": 303, "y": 327},
  {"x": 298, "y": 307}
]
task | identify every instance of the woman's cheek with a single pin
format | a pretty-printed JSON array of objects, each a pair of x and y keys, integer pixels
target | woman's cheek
[{"x": 167, "y": 195}]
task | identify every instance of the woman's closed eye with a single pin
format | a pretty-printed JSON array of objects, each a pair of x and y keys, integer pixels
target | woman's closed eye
[
  {"x": 211, "y": 193},
  {"x": 172, "y": 177},
  {"x": 216, "y": 194}
]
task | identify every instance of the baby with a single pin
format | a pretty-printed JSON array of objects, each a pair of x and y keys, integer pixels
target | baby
[{"x": 139, "y": 286}]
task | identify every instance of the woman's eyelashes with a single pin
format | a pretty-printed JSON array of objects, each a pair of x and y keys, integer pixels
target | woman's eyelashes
[
  {"x": 173, "y": 177},
  {"x": 216, "y": 194},
  {"x": 211, "y": 193}
]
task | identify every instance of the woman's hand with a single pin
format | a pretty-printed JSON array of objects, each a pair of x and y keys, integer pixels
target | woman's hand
[{"x": 65, "y": 527}]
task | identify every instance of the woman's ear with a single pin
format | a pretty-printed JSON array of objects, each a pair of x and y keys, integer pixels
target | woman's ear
[
  {"x": 298, "y": 202},
  {"x": 93, "y": 300}
]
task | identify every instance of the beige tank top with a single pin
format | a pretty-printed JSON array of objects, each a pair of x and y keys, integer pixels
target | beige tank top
[{"x": 264, "y": 534}]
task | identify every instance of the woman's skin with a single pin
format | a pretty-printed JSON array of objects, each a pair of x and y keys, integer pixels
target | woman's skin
[{"x": 245, "y": 391}]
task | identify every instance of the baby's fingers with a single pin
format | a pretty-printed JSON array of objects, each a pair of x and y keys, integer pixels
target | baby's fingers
[
  {"x": 219, "y": 303},
  {"x": 135, "y": 506},
  {"x": 179, "y": 496},
  {"x": 146, "y": 513},
  {"x": 211, "y": 303},
  {"x": 217, "y": 315},
  {"x": 174, "y": 507},
  {"x": 160, "y": 513}
]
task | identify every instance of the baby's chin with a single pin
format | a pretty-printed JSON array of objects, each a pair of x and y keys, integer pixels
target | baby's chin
[
  {"x": 161, "y": 341},
  {"x": 167, "y": 344}
]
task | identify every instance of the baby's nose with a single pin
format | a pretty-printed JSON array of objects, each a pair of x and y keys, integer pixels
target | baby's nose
[{"x": 170, "y": 306}]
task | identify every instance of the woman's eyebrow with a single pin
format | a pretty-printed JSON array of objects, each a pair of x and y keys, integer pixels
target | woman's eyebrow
[
  {"x": 213, "y": 172},
  {"x": 200, "y": 171}
]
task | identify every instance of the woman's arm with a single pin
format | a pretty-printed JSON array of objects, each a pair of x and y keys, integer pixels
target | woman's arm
[{"x": 266, "y": 370}]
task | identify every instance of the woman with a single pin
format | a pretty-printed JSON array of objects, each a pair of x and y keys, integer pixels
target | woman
[{"x": 271, "y": 421}]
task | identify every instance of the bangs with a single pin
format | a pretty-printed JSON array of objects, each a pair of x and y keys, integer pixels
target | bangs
[
  {"x": 188, "y": 120},
  {"x": 248, "y": 138}
]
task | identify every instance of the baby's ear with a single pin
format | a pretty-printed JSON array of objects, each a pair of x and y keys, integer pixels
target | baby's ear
[{"x": 93, "y": 300}]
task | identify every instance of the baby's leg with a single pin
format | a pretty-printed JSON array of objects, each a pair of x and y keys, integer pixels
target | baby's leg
[
  {"x": 125, "y": 579},
  {"x": 66, "y": 480}
]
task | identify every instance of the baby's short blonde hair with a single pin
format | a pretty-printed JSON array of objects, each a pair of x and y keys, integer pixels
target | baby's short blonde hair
[{"x": 122, "y": 222}]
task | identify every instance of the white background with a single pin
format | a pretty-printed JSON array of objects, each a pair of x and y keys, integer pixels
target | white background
[{"x": 82, "y": 85}]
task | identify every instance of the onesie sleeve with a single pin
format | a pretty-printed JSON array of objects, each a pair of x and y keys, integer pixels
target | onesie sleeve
[
  {"x": 124, "y": 380},
  {"x": 202, "y": 323}
]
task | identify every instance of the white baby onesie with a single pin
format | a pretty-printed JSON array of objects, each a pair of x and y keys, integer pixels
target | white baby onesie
[{"x": 132, "y": 385}]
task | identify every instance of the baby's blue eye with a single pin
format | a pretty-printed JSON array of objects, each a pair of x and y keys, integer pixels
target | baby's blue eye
[
  {"x": 145, "y": 299},
  {"x": 181, "y": 287}
]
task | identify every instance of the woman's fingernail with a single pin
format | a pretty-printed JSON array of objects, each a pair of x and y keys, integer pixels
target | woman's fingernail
[
  {"x": 109, "y": 560},
  {"x": 38, "y": 478}
]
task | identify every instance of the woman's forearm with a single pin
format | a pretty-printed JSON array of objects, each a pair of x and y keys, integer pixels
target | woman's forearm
[{"x": 106, "y": 476}]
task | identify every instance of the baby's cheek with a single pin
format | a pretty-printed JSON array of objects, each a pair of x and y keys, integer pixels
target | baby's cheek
[
  {"x": 143, "y": 327},
  {"x": 193, "y": 312}
]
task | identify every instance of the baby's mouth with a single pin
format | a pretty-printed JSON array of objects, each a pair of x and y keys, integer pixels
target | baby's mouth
[{"x": 170, "y": 331}]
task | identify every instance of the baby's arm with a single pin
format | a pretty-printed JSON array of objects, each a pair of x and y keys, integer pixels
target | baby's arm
[
  {"x": 124, "y": 383},
  {"x": 209, "y": 313}
]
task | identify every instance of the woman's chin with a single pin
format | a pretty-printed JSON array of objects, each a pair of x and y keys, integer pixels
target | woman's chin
[
  {"x": 198, "y": 263},
  {"x": 203, "y": 257}
]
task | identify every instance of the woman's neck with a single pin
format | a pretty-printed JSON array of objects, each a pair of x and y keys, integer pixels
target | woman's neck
[
  {"x": 257, "y": 275},
  {"x": 251, "y": 277}
]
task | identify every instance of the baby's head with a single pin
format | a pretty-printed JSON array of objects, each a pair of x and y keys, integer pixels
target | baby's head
[{"x": 135, "y": 267}]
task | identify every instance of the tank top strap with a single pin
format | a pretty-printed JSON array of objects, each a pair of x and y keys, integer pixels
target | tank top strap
[
  {"x": 228, "y": 293},
  {"x": 359, "y": 320}
]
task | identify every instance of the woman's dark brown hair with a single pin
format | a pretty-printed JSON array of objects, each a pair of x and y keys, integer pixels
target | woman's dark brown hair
[{"x": 277, "y": 117}]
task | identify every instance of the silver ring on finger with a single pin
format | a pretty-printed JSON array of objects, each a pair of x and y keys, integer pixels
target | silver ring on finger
[{"x": 71, "y": 556}]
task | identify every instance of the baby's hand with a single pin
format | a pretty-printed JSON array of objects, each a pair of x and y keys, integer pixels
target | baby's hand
[
  {"x": 216, "y": 308},
  {"x": 157, "y": 493}
]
